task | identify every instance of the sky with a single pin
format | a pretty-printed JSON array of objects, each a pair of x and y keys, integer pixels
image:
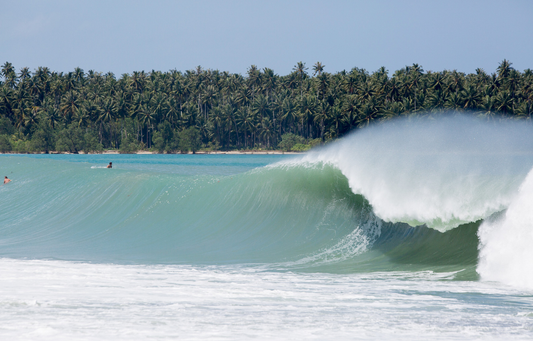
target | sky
[{"x": 231, "y": 35}]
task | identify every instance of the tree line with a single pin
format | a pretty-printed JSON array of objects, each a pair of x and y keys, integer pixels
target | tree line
[{"x": 207, "y": 109}]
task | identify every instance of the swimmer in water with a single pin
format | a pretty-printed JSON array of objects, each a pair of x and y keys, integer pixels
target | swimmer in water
[
  {"x": 6, "y": 180},
  {"x": 110, "y": 165}
]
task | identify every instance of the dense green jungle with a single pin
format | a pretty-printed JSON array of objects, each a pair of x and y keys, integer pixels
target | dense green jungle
[{"x": 45, "y": 111}]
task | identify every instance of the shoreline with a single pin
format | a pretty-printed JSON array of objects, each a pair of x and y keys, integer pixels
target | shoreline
[{"x": 147, "y": 152}]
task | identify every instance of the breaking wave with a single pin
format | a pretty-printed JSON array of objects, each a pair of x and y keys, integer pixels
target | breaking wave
[{"x": 410, "y": 195}]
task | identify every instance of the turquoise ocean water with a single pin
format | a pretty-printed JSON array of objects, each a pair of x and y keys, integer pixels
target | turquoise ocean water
[{"x": 400, "y": 232}]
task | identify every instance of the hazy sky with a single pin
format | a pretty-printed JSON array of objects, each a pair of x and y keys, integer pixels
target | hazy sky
[{"x": 127, "y": 36}]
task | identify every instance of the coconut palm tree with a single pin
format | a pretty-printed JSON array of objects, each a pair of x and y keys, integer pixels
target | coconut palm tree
[
  {"x": 470, "y": 97},
  {"x": 504, "y": 102},
  {"x": 69, "y": 103},
  {"x": 301, "y": 71},
  {"x": 9, "y": 74},
  {"x": 261, "y": 107},
  {"x": 307, "y": 108},
  {"x": 318, "y": 68},
  {"x": 321, "y": 116}
]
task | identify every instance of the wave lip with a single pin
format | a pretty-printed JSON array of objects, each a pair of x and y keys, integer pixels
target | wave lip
[{"x": 440, "y": 173}]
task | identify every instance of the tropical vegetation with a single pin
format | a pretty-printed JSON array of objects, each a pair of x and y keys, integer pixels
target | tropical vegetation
[{"x": 43, "y": 110}]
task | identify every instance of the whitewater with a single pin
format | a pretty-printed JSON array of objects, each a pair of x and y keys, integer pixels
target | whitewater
[{"x": 409, "y": 230}]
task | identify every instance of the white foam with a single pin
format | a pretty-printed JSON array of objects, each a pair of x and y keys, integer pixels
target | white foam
[
  {"x": 56, "y": 300},
  {"x": 441, "y": 173},
  {"x": 506, "y": 253}
]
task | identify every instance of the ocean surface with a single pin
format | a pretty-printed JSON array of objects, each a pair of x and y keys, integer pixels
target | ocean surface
[{"x": 412, "y": 230}]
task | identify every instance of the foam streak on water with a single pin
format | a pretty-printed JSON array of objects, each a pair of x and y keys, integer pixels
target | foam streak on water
[{"x": 56, "y": 300}]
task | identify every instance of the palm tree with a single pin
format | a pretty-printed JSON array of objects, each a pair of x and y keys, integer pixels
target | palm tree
[
  {"x": 254, "y": 78},
  {"x": 7, "y": 98},
  {"x": 69, "y": 104},
  {"x": 270, "y": 80},
  {"x": 436, "y": 81},
  {"x": 80, "y": 117},
  {"x": 365, "y": 91},
  {"x": 301, "y": 71},
  {"x": 503, "y": 101},
  {"x": 8, "y": 71},
  {"x": 230, "y": 121},
  {"x": 307, "y": 107},
  {"x": 488, "y": 107},
  {"x": 289, "y": 113},
  {"x": 138, "y": 81},
  {"x": 455, "y": 81},
  {"x": 504, "y": 69},
  {"x": 370, "y": 112},
  {"x": 323, "y": 80},
  {"x": 351, "y": 83},
  {"x": 436, "y": 100},
  {"x": 523, "y": 110},
  {"x": 246, "y": 120},
  {"x": 217, "y": 119},
  {"x": 22, "y": 110},
  {"x": 454, "y": 102},
  {"x": 470, "y": 97},
  {"x": 107, "y": 112},
  {"x": 266, "y": 131},
  {"x": 393, "y": 110},
  {"x": 146, "y": 117},
  {"x": 318, "y": 68},
  {"x": 392, "y": 90},
  {"x": 336, "y": 120},
  {"x": 32, "y": 117},
  {"x": 260, "y": 106},
  {"x": 321, "y": 115},
  {"x": 350, "y": 108}
]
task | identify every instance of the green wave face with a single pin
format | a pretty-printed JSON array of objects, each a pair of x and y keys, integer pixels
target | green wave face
[
  {"x": 300, "y": 217},
  {"x": 70, "y": 210}
]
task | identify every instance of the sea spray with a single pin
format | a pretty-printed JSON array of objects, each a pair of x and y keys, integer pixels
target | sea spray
[
  {"x": 439, "y": 172},
  {"x": 506, "y": 249}
]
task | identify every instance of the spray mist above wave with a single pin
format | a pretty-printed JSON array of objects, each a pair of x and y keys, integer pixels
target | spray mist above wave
[{"x": 440, "y": 172}]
